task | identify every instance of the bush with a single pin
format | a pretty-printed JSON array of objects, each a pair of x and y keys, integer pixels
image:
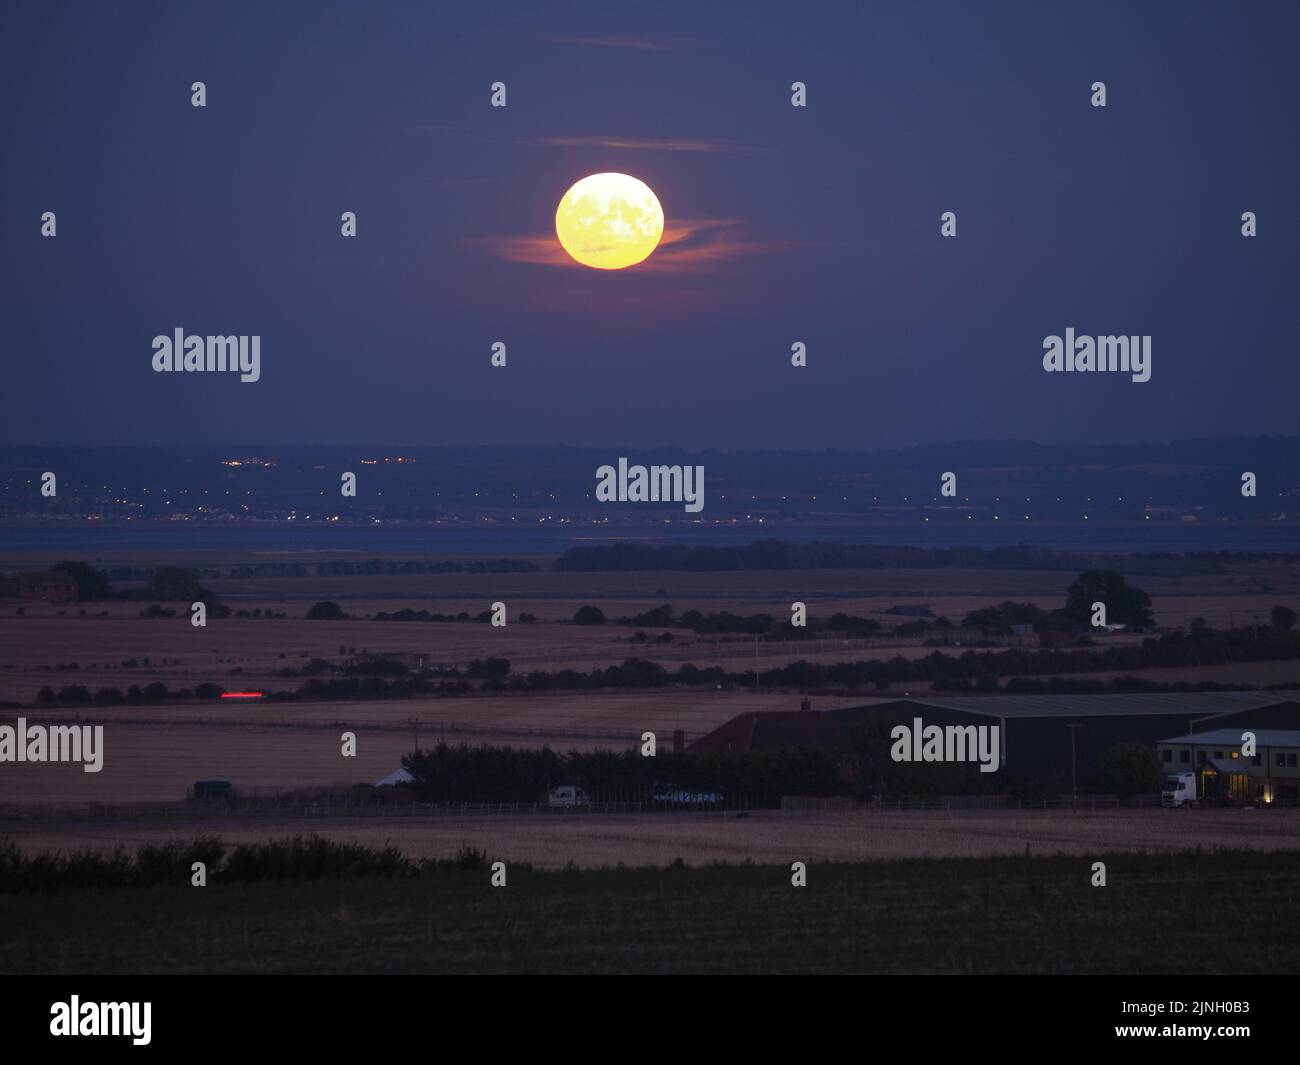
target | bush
[
  {"x": 589, "y": 615},
  {"x": 171, "y": 863},
  {"x": 469, "y": 859},
  {"x": 311, "y": 858},
  {"x": 52, "y": 871},
  {"x": 492, "y": 668},
  {"x": 326, "y": 611}
]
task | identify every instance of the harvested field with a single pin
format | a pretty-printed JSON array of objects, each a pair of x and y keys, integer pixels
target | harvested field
[
  {"x": 145, "y": 763},
  {"x": 122, "y": 650},
  {"x": 236, "y": 652},
  {"x": 272, "y": 747}
]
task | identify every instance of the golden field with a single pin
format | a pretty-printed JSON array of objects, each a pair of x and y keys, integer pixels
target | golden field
[{"x": 152, "y": 754}]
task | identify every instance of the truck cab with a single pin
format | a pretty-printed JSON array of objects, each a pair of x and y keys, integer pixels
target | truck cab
[{"x": 1178, "y": 789}]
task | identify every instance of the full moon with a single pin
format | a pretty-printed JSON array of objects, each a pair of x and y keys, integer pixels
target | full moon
[{"x": 609, "y": 221}]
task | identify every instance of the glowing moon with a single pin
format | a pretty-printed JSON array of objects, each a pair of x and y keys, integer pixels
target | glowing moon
[{"x": 609, "y": 221}]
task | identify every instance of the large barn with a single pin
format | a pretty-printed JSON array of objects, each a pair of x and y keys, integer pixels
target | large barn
[{"x": 1035, "y": 730}]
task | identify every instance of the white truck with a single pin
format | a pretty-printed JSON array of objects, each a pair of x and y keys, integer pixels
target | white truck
[
  {"x": 567, "y": 795},
  {"x": 1178, "y": 789}
]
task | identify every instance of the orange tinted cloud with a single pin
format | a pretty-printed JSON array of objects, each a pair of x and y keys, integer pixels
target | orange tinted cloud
[{"x": 689, "y": 245}]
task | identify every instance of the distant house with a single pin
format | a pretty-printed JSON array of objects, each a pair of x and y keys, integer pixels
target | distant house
[
  {"x": 413, "y": 660},
  {"x": 212, "y": 789},
  {"x": 1271, "y": 775},
  {"x": 397, "y": 776},
  {"x": 48, "y": 586}
]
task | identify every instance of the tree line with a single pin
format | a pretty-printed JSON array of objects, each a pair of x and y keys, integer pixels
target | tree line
[
  {"x": 784, "y": 555},
  {"x": 971, "y": 671},
  {"x": 859, "y": 766}
]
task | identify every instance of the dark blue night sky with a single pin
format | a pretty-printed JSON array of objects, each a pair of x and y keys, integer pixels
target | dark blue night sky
[{"x": 820, "y": 225}]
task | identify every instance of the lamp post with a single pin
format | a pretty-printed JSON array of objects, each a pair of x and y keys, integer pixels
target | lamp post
[{"x": 1074, "y": 778}]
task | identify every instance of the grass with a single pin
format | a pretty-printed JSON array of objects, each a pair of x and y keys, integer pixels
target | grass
[
  {"x": 294, "y": 858},
  {"x": 1221, "y": 911}
]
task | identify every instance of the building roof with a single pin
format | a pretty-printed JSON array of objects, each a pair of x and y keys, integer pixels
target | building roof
[
  {"x": 1224, "y": 766},
  {"x": 1182, "y": 704},
  {"x": 774, "y": 729},
  {"x": 1231, "y": 737}
]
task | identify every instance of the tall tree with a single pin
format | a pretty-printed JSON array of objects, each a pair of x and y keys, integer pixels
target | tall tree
[{"x": 1125, "y": 605}]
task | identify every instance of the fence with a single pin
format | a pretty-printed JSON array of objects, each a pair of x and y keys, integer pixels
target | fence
[
  {"x": 243, "y": 809},
  {"x": 819, "y": 804},
  {"x": 272, "y": 807}
]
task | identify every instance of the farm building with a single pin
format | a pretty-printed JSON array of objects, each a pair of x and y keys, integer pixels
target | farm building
[
  {"x": 48, "y": 586},
  {"x": 212, "y": 789},
  {"x": 412, "y": 660},
  {"x": 1271, "y": 775},
  {"x": 1035, "y": 731},
  {"x": 775, "y": 729}
]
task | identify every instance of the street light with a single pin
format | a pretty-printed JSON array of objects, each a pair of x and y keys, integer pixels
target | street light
[{"x": 1074, "y": 779}]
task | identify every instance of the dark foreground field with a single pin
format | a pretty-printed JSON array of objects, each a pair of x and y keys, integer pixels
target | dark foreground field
[{"x": 1220, "y": 912}]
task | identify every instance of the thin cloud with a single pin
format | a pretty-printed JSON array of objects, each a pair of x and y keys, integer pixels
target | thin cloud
[
  {"x": 543, "y": 250},
  {"x": 647, "y": 144},
  {"x": 640, "y": 144},
  {"x": 690, "y": 245},
  {"x": 644, "y": 44}
]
